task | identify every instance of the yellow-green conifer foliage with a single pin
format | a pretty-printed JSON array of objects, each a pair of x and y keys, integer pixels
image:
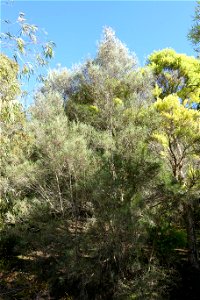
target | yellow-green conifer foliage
[
  {"x": 178, "y": 134},
  {"x": 178, "y": 138},
  {"x": 176, "y": 74}
]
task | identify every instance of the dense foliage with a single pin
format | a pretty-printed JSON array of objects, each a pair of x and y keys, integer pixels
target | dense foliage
[{"x": 100, "y": 180}]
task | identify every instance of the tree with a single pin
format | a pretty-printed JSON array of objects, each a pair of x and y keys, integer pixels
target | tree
[
  {"x": 113, "y": 56},
  {"x": 14, "y": 138},
  {"x": 194, "y": 34},
  {"x": 177, "y": 90},
  {"x": 101, "y": 89},
  {"x": 94, "y": 180},
  {"x": 179, "y": 136},
  {"x": 27, "y": 55}
]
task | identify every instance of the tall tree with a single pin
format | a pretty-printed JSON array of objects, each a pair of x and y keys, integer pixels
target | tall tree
[
  {"x": 177, "y": 90},
  {"x": 100, "y": 90},
  {"x": 95, "y": 180},
  {"x": 14, "y": 138}
]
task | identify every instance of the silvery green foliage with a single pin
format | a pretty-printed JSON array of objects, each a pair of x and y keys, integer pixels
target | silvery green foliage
[
  {"x": 104, "y": 87},
  {"x": 113, "y": 56},
  {"x": 61, "y": 152},
  {"x": 65, "y": 155},
  {"x": 113, "y": 60},
  {"x": 58, "y": 80}
]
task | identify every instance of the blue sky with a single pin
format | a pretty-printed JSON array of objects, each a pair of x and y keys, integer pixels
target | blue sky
[{"x": 76, "y": 26}]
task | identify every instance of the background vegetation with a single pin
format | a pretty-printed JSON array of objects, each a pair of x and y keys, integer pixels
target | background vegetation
[{"x": 100, "y": 177}]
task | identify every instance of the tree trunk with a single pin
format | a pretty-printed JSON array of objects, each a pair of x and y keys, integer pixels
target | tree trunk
[{"x": 193, "y": 255}]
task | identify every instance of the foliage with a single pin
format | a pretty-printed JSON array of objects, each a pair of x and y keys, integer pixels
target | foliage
[
  {"x": 24, "y": 45},
  {"x": 9, "y": 85},
  {"x": 14, "y": 138},
  {"x": 179, "y": 136},
  {"x": 194, "y": 34},
  {"x": 176, "y": 74},
  {"x": 103, "y": 89},
  {"x": 100, "y": 178}
]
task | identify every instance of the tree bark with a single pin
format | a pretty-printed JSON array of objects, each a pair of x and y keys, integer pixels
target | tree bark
[{"x": 193, "y": 255}]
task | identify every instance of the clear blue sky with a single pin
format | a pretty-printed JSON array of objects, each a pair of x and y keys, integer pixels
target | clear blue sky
[{"x": 76, "y": 26}]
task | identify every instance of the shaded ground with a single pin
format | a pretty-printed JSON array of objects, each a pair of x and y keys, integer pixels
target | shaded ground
[{"x": 37, "y": 263}]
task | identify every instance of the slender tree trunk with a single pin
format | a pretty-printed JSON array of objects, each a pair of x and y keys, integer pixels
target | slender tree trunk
[{"x": 193, "y": 255}]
